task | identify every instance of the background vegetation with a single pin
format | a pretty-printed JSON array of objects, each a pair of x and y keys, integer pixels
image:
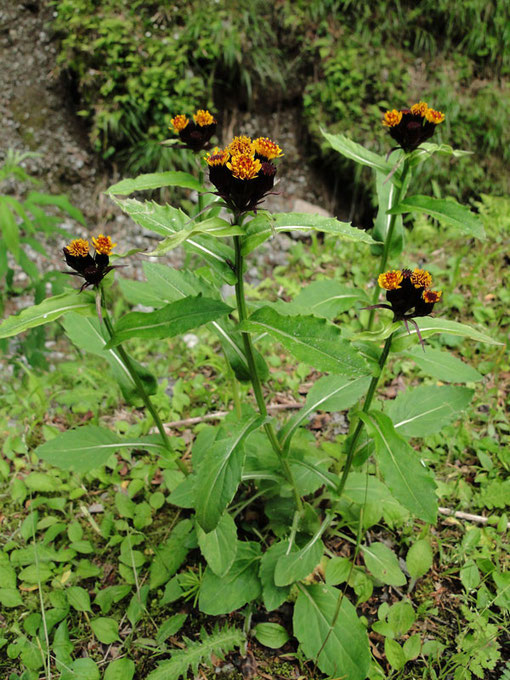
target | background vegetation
[{"x": 135, "y": 64}]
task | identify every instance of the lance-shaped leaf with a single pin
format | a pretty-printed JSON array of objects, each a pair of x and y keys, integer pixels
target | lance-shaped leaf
[
  {"x": 386, "y": 196},
  {"x": 443, "y": 365},
  {"x": 357, "y": 153},
  {"x": 89, "y": 447},
  {"x": 330, "y": 393},
  {"x": 87, "y": 334},
  {"x": 334, "y": 638},
  {"x": 309, "y": 339},
  {"x": 400, "y": 465},
  {"x": 156, "y": 180},
  {"x": 213, "y": 226},
  {"x": 427, "y": 149},
  {"x": 266, "y": 225},
  {"x": 173, "y": 319},
  {"x": 219, "y": 472},
  {"x": 48, "y": 310},
  {"x": 428, "y": 326},
  {"x": 447, "y": 211},
  {"x": 328, "y": 298},
  {"x": 427, "y": 409}
]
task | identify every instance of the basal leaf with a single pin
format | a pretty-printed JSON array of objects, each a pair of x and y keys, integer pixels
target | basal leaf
[
  {"x": 337, "y": 643},
  {"x": 383, "y": 564},
  {"x": 400, "y": 465},
  {"x": 222, "y": 595},
  {"x": 88, "y": 447},
  {"x": 425, "y": 410},
  {"x": 219, "y": 473},
  {"x": 297, "y": 564},
  {"x": 446, "y": 210},
  {"x": 272, "y": 595},
  {"x": 309, "y": 339},
  {"x": 50, "y": 309},
  {"x": 173, "y": 319},
  {"x": 219, "y": 546},
  {"x": 155, "y": 180}
]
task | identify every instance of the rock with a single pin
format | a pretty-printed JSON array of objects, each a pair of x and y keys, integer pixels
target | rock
[{"x": 301, "y": 206}]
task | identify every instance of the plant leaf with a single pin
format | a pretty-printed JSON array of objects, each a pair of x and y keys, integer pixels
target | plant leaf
[
  {"x": 383, "y": 564},
  {"x": 48, "y": 310},
  {"x": 446, "y": 210},
  {"x": 330, "y": 393},
  {"x": 219, "y": 473},
  {"x": 9, "y": 229},
  {"x": 309, "y": 339},
  {"x": 214, "y": 226},
  {"x": 346, "y": 653},
  {"x": 400, "y": 465},
  {"x": 239, "y": 586},
  {"x": 443, "y": 365},
  {"x": 425, "y": 410},
  {"x": 87, "y": 448},
  {"x": 327, "y": 298},
  {"x": 357, "y": 153},
  {"x": 271, "y": 635},
  {"x": 297, "y": 564},
  {"x": 386, "y": 192},
  {"x": 272, "y": 595},
  {"x": 219, "y": 546},
  {"x": 155, "y": 180},
  {"x": 173, "y": 319}
]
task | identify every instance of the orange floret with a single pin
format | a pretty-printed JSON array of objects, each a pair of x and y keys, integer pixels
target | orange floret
[
  {"x": 267, "y": 148},
  {"x": 420, "y": 109},
  {"x": 179, "y": 122},
  {"x": 78, "y": 248},
  {"x": 203, "y": 117},
  {"x": 432, "y": 296},
  {"x": 103, "y": 244},
  {"x": 217, "y": 157},
  {"x": 392, "y": 118},
  {"x": 244, "y": 166},
  {"x": 390, "y": 280},
  {"x": 435, "y": 117},
  {"x": 240, "y": 146},
  {"x": 420, "y": 278}
]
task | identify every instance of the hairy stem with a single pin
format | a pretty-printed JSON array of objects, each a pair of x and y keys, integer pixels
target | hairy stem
[
  {"x": 399, "y": 195},
  {"x": 126, "y": 360},
  {"x": 254, "y": 376}
]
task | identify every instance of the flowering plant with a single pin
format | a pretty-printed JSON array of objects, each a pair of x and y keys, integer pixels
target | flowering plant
[{"x": 251, "y": 459}]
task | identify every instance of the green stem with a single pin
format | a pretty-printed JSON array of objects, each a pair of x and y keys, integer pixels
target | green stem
[
  {"x": 200, "y": 195},
  {"x": 359, "y": 427},
  {"x": 399, "y": 195},
  {"x": 126, "y": 360},
  {"x": 254, "y": 376}
]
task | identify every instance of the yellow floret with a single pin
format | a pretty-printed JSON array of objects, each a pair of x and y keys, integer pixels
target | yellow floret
[
  {"x": 420, "y": 278},
  {"x": 203, "y": 117},
  {"x": 240, "y": 146},
  {"x": 392, "y": 118},
  {"x": 267, "y": 148},
  {"x": 179, "y": 122},
  {"x": 244, "y": 166},
  {"x": 103, "y": 244},
  {"x": 78, "y": 248},
  {"x": 420, "y": 109},
  {"x": 390, "y": 280},
  {"x": 435, "y": 117}
]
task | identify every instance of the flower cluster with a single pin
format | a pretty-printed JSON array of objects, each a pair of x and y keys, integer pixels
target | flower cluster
[
  {"x": 243, "y": 172},
  {"x": 195, "y": 134},
  {"x": 92, "y": 269},
  {"x": 410, "y": 127},
  {"x": 408, "y": 293}
]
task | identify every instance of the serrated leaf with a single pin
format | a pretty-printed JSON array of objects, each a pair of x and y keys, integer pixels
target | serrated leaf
[
  {"x": 219, "y": 473},
  {"x": 400, "y": 465},
  {"x": 424, "y": 410},
  {"x": 443, "y": 365},
  {"x": 50, "y": 309},
  {"x": 219, "y": 643},
  {"x": 88, "y": 447},
  {"x": 330, "y": 393},
  {"x": 383, "y": 564},
  {"x": 447, "y": 211},
  {"x": 222, "y": 595},
  {"x": 219, "y": 546},
  {"x": 342, "y": 644},
  {"x": 213, "y": 226},
  {"x": 173, "y": 319},
  {"x": 155, "y": 180},
  {"x": 357, "y": 153},
  {"x": 310, "y": 339}
]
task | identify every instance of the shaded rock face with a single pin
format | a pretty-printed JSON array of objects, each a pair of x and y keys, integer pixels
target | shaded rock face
[{"x": 38, "y": 110}]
